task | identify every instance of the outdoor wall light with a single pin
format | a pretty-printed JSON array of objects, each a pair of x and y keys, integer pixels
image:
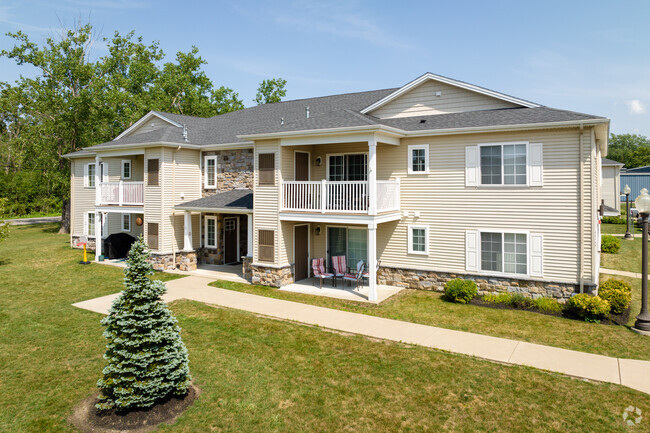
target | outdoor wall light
[
  {"x": 319, "y": 161},
  {"x": 317, "y": 230}
]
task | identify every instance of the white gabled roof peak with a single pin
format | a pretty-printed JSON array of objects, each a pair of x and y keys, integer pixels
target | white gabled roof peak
[
  {"x": 143, "y": 119},
  {"x": 429, "y": 76}
]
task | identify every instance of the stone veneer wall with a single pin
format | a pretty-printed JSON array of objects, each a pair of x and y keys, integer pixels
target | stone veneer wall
[
  {"x": 215, "y": 256},
  {"x": 74, "y": 242},
  {"x": 185, "y": 261},
  {"x": 246, "y": 270},
  {"x": 271, "y": 276},
  {"x": 234, "y": 170},
  {"x": 431, "y": 280}
]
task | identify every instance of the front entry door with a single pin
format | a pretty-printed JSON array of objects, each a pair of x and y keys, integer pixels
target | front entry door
[
  {"x": 302, "y": 166},
  {"x": 301, "y": 252},
  {"x": 231, "y": 244}
]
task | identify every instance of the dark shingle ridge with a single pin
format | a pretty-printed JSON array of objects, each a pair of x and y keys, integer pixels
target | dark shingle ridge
[{"x": 236, "y": 199}]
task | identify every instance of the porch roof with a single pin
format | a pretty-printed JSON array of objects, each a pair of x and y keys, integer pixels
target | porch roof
[{"x": 236, "y": 201}]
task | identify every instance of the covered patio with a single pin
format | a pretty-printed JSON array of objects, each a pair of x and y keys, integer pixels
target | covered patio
[{"x": 342, "y": 291}]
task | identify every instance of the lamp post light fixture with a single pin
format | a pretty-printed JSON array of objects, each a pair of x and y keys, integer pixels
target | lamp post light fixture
[
  {"x": 642, "y": 323},
  {"x": 627, "y": 192}
]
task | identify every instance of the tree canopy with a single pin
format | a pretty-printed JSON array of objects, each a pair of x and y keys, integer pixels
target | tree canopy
[
  {"x": 633, "y": 150},
  {"x": 271, "y": 90},
  {"x": 77, "y": 100}
]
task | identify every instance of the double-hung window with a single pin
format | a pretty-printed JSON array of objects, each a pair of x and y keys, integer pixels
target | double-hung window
[
  {"x": 210, "y": 167},
  {"x": 349, "y": 167},
  {"x": 210, "y": 232},
  {"x": 126, "y": 222},
  {"x": 90, "y": 224},
  {"x": 418, "y": 239},
  {"x": 89, "y": 175},
  {"x": 504, "y": 252},
  {"x": 126, "y": 169},
  {"x": 503, "y": 164},
  {"x": 418, "y": 158}
]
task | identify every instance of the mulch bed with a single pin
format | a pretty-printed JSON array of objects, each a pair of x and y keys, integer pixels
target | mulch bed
[
  {"x": 89, "y": 420},
  {"x": 614, "y": 319}
]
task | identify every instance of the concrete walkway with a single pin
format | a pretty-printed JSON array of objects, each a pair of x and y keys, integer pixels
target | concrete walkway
[
  {"x": 621, "y": 273},
  {"x": 632, "y": 373}
]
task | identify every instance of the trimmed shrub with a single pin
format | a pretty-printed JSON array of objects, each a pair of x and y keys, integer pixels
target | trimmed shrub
[
  {"x": 460, "y": 291},
  {"x": 614, "y": 220},
  {"x": 548, "y": 305},
  {"x": 498, "y": 298},
  {"x": 522, "y": 302},
  {"x": 610, "y": 244},
  {"x": 587, "y": 307},
  {"x": 146, "y": 358},
  {"x": 618, "y": 293}
]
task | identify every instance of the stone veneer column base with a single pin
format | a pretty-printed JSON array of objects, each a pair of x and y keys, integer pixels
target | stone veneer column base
[
  {"x": 246, "y": 270},
  {"x": 274, "y": 276},
  {"x": 185, "y": 261},
  {"x": 432, "y": 280}
]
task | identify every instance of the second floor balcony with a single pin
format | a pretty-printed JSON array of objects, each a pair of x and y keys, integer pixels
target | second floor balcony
[
  {"x": 121, "y": 193},
  {"x": 344, "y": 197}
]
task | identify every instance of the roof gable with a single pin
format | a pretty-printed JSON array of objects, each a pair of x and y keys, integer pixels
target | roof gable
[
  {"x": 433, "y": 94},
  {"x": 147, "y": 123}
]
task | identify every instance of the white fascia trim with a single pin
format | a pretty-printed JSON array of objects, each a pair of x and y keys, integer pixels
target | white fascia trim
[
  {"x": 429, "y": 76},
  {"x": 371, "y": 220},
  {"x": 229, "y": 146},
  {"x": 88, "y": 155},
  {"x": 329, "y": 131},
  {"x": 141, "y": 146},
  {"x": 505, "y": 128},
  {"x": 144, "y": 119},
  {"x": 214, "y": 210},
  {"x": 116, "y": 209}
]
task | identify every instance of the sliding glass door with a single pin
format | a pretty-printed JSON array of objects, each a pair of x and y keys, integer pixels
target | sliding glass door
[{"x": 349, "y": 242}]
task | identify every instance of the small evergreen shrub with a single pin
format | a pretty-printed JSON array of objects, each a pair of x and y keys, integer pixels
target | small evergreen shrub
[
  {"x": 610, "y": 244},
  {"x": 460, "y": 291},
  {"x": 548, "y": 305},
  {"x": 147, "y": 360},
  {"x": 614, "y": 220},
  {"x": 587, "y": 307},
  {"x": 618, "y": 293}
]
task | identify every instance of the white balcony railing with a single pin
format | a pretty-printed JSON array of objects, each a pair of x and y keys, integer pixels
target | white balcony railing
[
  {"x": 121, "y": 193},
  {"x": 338, "y": 197}
]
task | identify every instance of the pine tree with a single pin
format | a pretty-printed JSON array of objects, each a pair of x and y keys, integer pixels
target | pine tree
[{"x": 147, "y": 360}]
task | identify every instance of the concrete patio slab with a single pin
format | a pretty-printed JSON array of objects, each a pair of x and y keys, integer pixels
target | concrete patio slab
[
  {"x": 634, "y": 374},
  {"x": 341, "y": 292}
]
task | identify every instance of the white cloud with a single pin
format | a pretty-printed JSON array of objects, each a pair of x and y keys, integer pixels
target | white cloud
[{"x": 635, "y": 106}]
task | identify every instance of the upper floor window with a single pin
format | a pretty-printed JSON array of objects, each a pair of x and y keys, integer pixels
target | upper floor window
[
  {"x": 89, "y": 175},
  {"x": 266, "y": 171},
  {"x": 153, "y": 171},
  {"x": 506, "y": 164},
  {"x": 126, "y": 169},
  {"x": 210, "y": 167},
  {"x": 418, "y": 158}
]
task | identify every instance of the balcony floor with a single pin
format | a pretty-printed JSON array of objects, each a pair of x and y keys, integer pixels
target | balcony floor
[{"x": 347, "y": 293}]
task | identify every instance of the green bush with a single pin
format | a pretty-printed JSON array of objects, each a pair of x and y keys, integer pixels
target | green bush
[
  {"x": 590, "y": 308},
  {"x": 548, "y": 305},
  {"x": 460, "y": 291},
  {"x": 522, "y": 302},
  {"x": 610, "y": 244},
  {"x": 618, "y": 293},
  {"x": 498, "y": 298},
  {"x": 614, "y": 220}
]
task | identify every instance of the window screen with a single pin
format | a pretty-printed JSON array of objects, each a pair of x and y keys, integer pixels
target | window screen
[
  {"x": 153, "y": 169},
  {"x": 491, "y": 252},
  {"x": 152, "y": 235},
  {"x": 266, "y": 168}
]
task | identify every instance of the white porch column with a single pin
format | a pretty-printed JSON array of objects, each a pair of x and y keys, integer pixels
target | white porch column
[
  {"x": 372, "y": 262},
  {"x": 372, "y": 175},
  {"x": 187, "y": 231},
  {"x": 98, "y": 235},
  {"x": 249, "y": 238},
  {"x": 98, "y": 195}
]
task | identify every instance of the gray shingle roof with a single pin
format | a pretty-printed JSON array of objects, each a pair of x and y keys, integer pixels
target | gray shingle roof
[
  {"x": 607, "y": 161},
  {"x": 237, "y": 199}
]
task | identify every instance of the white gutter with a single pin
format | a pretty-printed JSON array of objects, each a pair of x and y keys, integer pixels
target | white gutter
[
  {"x": 581, "y": 213},
  {"x": 215, "y": 210}
]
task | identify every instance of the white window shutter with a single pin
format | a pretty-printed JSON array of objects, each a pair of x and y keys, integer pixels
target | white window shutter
[
  {"x": 471, "y": 166},
  {"x": 86, "y": 175},
  {"x": 535, "y": 243},
  {"x": 471, "y": 250},
  {"x": 86, "y": 223},
  {"x": 535, "y": 162}
]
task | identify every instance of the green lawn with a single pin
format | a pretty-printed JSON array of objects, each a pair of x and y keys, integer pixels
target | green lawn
[
  {"x": 617, "y": 229},
  {"x": 627, "y": 259},
  {"x": 262, "y": 375}
]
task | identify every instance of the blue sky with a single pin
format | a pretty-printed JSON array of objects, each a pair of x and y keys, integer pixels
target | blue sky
[{"x": 587, "y": 56}]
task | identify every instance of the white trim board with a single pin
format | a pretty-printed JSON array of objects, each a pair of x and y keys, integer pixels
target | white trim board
[
  {"x": 143, "y": 119},
  {"x": 429, "y": 76}
]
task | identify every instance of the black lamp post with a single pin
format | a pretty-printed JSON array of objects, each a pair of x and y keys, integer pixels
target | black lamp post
[
  {"x": 627, "y": 192},
  {"x": 642, "y": 323}
]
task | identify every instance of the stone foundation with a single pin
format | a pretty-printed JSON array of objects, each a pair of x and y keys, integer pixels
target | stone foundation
[
  {"x": 185, "y": 261},
  {"x": 246, "y": 270},
  {"x": 431, "y": 280},
  {"x": 271, "y": 276},
  {"x": 74, "y": 242}
]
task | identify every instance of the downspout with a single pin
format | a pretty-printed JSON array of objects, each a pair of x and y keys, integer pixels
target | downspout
[
  {"x": 174, "y": 204},
  {"x": 581, "y": 211}
]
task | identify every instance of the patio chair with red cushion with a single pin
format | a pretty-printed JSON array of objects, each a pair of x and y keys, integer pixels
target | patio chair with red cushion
[
  {"x": 318, "y": 268},
  {"x": 340, "y": 267}
]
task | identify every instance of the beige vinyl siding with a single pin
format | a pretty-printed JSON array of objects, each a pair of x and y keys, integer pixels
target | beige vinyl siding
[
  {"x": 153, "y": 196},
  {"x": 317, "y": 172},
  {"x": 266, "y": 202},
  {"x": 422, "y": 101},
  {"x": 113, "y": 166},
  {"x": 151, "y": 125},
  {"x": 611, "y": 187},
  {"x": 449, "y": 208},
  {"x": 82, "y": 198}
]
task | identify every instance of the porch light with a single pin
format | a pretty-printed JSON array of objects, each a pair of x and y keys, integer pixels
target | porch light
[{"x": 627, "y": 190}]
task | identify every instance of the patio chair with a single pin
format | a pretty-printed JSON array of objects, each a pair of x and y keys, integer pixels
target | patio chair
[
  {"x": 355, "y": 277},
  {"x": 366, "y": 273},
  {"x": 339, "y": 266},
  {"x": 318, "y": 268}
]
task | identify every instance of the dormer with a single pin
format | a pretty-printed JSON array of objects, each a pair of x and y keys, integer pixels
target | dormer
[{"x": 433, "y": 94}]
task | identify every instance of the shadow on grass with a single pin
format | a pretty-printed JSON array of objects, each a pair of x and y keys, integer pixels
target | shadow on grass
[
  {"x": 51, "y": 228},
  {"x": 4, "y": 262}
]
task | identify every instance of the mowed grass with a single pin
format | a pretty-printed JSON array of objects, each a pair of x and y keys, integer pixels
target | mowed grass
[
  {"x": 429, "y": 308},
  {"x": 618, "y": 229},
  {"x": 627, "y": 259},
  {"x": 262, "y": 375}
]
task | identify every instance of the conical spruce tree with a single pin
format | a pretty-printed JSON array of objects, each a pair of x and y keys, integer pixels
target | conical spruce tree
[{"x": 147, "y": 360}]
